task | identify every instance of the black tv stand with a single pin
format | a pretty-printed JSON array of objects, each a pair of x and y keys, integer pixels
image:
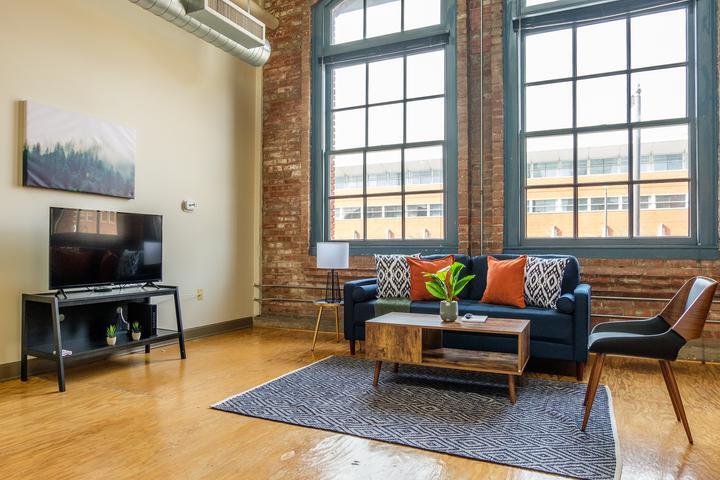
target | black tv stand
[
  {"x": 150, "y": 284},
  {"x": 61, "y": 325},
  {"x": 103, "y": 289}
]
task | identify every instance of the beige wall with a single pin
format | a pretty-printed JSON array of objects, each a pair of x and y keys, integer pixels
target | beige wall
[{"x": 197, "y": 116}]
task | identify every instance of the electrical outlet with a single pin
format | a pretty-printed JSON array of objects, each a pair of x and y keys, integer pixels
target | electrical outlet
[{"x": 200, "y": 294}]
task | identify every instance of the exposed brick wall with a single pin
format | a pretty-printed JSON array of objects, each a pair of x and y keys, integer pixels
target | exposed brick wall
[{"x": 286, "y": 169}]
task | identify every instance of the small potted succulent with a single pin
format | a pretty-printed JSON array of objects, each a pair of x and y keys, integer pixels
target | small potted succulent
[
  {"x": 135, "y": 331},
  {"x": 111, "y": 335},
  {"x": 446, "y": 285}
]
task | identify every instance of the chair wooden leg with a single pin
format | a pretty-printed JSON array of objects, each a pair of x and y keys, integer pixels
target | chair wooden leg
[
  {"x": 376, "y": 375},
  {"x": 352, "y": 347},
  {"x": 593, "y": 373},
  {"x": 678, "y": 400},
  {"x": 592, "y": 388},
  {"x": 668, "y": 384}
]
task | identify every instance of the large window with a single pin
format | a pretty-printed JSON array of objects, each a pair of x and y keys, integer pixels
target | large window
[
  {"x": 604, "y": 141},
  {"x": 384, "y": 119}
]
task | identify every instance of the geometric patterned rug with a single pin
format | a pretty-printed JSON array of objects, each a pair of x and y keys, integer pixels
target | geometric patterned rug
[{"x": 450, "y": 411}]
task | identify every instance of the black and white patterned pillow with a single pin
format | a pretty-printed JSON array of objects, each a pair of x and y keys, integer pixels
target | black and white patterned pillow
[
  {"x": 543, "y": 281},
  {"x": 393, "y": 276}
]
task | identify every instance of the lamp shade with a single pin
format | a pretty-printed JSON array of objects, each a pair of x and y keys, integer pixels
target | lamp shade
[{"x": 333, "y": 255}]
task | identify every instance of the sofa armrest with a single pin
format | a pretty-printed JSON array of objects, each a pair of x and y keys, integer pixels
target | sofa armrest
[
  {"x": 582, "y": 321},
  {"x": 366, "y": 289}
]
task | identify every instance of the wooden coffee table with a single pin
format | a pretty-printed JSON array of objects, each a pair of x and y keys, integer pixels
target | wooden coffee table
[{"x": 415, "y": 338}]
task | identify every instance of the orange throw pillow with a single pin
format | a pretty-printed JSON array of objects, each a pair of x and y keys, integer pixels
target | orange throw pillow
[
  {"x": 418, "y": 267},
  {"x": 505, "y": 282}
]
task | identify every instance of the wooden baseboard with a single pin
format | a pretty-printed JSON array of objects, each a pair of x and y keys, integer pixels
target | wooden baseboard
[{"x": 36, "y": 366}]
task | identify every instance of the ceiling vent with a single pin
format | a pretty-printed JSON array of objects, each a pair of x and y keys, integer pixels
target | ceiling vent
[{"x": 229, "y": 19}]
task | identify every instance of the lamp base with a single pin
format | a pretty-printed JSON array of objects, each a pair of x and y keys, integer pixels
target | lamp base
[{"x": 332, "y": 287}]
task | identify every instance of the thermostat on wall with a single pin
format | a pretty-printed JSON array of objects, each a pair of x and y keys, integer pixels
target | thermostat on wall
[{"x": 189, "y": 205}]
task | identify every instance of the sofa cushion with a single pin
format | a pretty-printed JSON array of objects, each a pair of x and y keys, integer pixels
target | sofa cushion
[
  {"x": 393, "y": 276},
  {"x": 544, "y": 323},
  {"x": 543, "y": 280},
  {"x": 506, "y": 282},
  {"x": 418, "y": 268}
]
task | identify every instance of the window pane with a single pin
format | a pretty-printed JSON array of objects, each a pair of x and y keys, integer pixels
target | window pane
[
  {"x": 659, "y": 38},
  {"x": 659, "y": 94},
  {"x": 348, "y": 129},
  {"x": 383, "y": 172},
  {"x": 389, "y": 226},
  {"x": 347, "y": 21},
  {"x": 421, "y": 13},
  {"x": 548, "y": 55},
  {"x": 549, "y": 213},
  {"x": 348, "y": 86},
  {"x": 424, "y": 216},
  {"x": 346, "y": 174},
  {"x": 548, "y": 106},
  {"x": 603, "y": 156},
  {"x": 604, "y": 211},
  {"x": 664, "y": 210},
  {"x": 426, "y": 120},
  {"x": 346, "y": 221},
  {"x": 386, "y": 80},
  {"x": 426, "y": 74},
  {"x": 424, "y": 168},
  {"x": 663, "y": 152},
  {"x": 549, "y": 159},
  {"x": 602, "y": 100},
  {"x": 385, "y": 124},
  {"x": 601, "y": 47},
  {"x": 383, "y": 17}
]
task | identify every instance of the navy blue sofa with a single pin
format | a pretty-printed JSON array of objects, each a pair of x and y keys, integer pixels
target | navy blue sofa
[{"x": 560, "y": 334}]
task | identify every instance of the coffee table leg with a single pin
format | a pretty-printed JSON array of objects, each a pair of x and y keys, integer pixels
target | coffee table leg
[
  {"x": 378, "y": 365},
  {"x": 511, "y": 388},
  {"x": 396, "y": 367}
]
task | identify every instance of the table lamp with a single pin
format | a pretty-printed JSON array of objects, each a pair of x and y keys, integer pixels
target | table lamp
[{"x": 333, "y": 256}]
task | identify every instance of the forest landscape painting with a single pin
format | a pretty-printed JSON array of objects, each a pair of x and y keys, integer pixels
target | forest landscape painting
[{"x": 74, "y": 152}]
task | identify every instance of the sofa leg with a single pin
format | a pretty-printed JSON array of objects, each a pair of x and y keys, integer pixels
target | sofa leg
[
  {"x": 579, "y": 370},
  {"x": 352, "y": 347}
]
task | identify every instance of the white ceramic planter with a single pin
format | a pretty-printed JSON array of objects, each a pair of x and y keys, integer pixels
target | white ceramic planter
[
  {"x": 136, "y": 336},
  {"x": 111, "y": 340}
]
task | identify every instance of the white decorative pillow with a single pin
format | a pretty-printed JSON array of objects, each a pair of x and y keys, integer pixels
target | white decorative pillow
[
  {"x": 393, "y": 276},
  {"x": 543, "y": 281}
]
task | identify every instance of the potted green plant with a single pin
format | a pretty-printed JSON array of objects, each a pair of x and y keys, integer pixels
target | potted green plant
[
  {"x": 135, "y": 331},
  {"x": 111, "y": 335},
  {"x": 446, "y": 285}
]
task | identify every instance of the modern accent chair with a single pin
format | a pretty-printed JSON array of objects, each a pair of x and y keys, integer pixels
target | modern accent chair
[{"x": 659, "y": 338}]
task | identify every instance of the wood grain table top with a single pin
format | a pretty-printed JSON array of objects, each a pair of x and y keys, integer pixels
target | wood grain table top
[{"x": 506, "y": 326}]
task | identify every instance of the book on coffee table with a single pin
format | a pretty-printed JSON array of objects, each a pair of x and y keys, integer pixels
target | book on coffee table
[{"x": 473, "y": 319}]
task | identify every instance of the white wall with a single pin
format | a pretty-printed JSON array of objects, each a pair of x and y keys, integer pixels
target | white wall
[{"x": 196, "y": 111}]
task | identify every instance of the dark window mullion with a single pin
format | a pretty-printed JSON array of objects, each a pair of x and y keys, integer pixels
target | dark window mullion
[
  {"x": 575, "y": 213},
  {"x": 367, "y": 136},
  {"x": 402, "y": 151},
  {"x": 630, "y": 132}
]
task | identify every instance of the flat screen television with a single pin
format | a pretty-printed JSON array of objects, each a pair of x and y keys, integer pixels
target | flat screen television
[{"x": 97, "y": 248}]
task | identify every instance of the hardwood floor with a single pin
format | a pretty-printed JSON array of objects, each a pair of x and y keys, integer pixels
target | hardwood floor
[{"x": 149, "y": 416}]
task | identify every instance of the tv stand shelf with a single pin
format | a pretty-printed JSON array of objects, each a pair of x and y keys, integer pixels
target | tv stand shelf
[{"x": 76, "y": 322}]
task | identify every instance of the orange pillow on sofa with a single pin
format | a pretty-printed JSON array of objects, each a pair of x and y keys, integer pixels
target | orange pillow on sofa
[
  {"x": 505, "y": 282},
  {"x": 418, "y": 267}
]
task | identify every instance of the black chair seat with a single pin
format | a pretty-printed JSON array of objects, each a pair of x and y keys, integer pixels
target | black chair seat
[{"x": 663, "y": 346}]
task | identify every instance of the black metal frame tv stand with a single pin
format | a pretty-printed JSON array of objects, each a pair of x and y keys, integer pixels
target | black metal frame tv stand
[{"x": 76, "y": 321}]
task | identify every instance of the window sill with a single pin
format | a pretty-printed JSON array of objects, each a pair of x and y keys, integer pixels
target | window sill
[
  {"x": 399, "y": 248},
  {"x": 648, "y": 251}
]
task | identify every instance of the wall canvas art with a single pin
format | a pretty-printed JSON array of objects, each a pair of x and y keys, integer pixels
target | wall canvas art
[{"x": 74, "y": 152}]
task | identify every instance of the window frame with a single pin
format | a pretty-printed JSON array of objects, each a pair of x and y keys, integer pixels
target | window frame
[
  {"x": 702, "y": 136},
  {"x": 323, "y": 56}
]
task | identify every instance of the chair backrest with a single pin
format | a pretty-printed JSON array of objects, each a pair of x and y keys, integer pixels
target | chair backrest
[{"x": 687, "y": 312}]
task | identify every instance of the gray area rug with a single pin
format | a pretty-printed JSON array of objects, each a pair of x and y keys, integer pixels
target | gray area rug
[{"x": 449, "y": 411}]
